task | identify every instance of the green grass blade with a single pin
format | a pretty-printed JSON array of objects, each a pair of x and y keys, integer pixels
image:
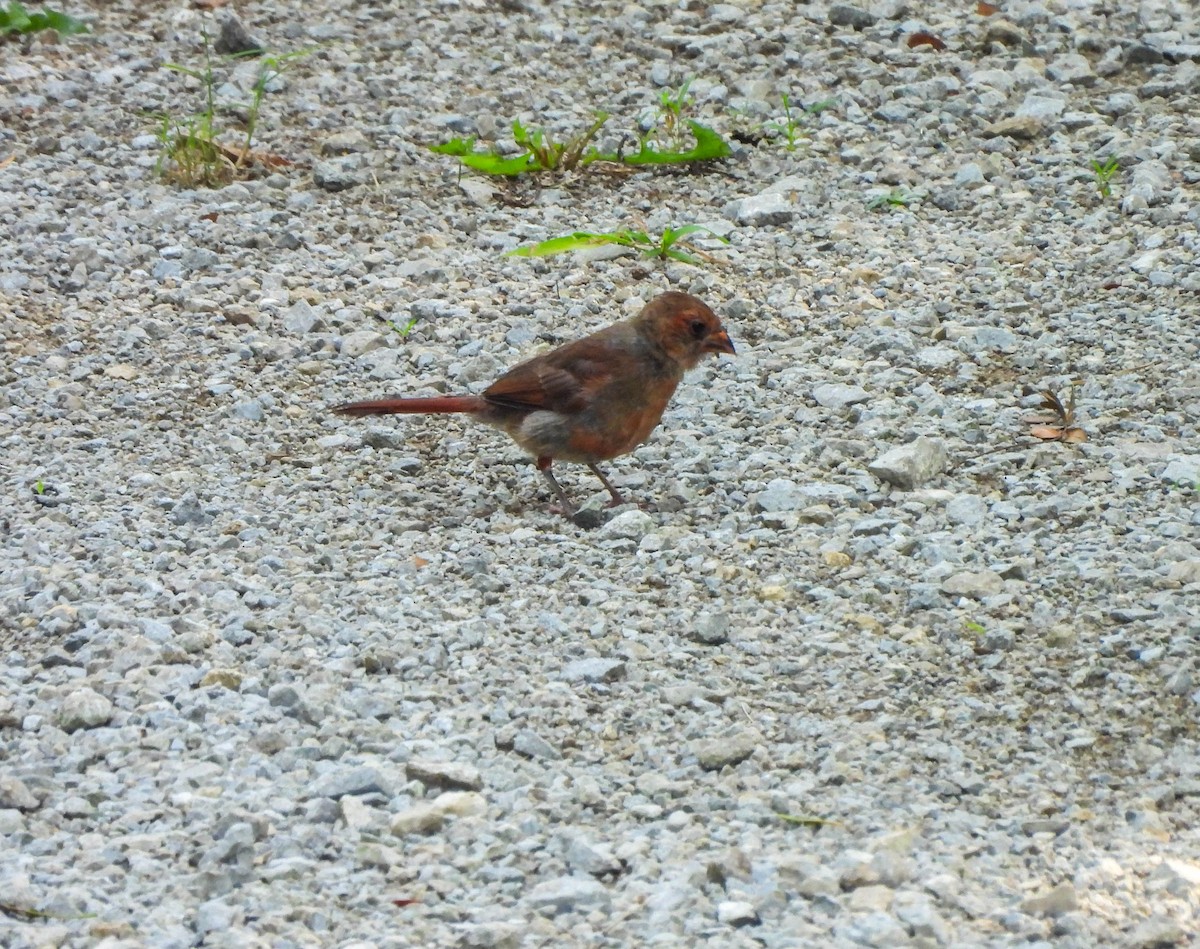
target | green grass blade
[
  {"x": 455, "y": 147},
  {"x": 675, "y": 254},
  {"x": 15, "y": 19},
  {"x": 677, "y": 232},
  {"x": 630, "y": 238},
  {"x": 499, "y": 165},
  {"x": 184, "y": 70},
  {"x": 562, "y": 245},
  {"x": 61, "y": 22},
  {"x": 709, "y": 146}
]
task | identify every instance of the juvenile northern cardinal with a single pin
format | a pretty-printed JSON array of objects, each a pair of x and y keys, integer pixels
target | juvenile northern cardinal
[{"x": 590, "y": 400}]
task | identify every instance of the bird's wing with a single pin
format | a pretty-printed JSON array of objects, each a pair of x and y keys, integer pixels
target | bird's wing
[{"x": 561, "y": 381}]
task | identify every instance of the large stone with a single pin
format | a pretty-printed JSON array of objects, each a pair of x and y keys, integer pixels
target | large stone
[
  {"x": 342, "y": 781},
  {"x": 444, "y": 774},
  {"x": 1061, "y": 899},
  {"x": 769, "y": 209},
  {"x": 362, "y": 342},
  {"x": 976, "y": 585},
  {"x": 836, "y": 395},
  {"x": 781, "y": 494},
  {"x": 15, "y": 795},
  {"x": 909, "y": 466},
  {"x": 84, "y": 708},
  {"x": 734, "y": 749},
  {"x": 569, "y": 894},
  {"x": 1024, "y": 128}
]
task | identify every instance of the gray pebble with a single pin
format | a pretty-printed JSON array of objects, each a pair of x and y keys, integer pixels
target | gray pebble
[
  {"x": 532, "y": 745},
  {"x": 912, "y": 465},
  {"x": 451, "y": 775},
  {"x": 712, "y": 629},
  {"x": 423, "y": 818},
  {"x": 737, "y": 913},
  {"x": 15, "y": 795},
  {"x": 594, "y": 670},
  {"x": 968, "y": 509},
  {"x": 1157, "y": 932},
  {"x": 234, "y": 39},
  {"x": 216, "y": 916},
  {"x": 339, "y": 174},
  {"x": 84, "y": 708},
  {"x": 842, "y": 14},
  {"x": 568, "y": 894},
  {"x": 251, "y": 410},
  {"x": 628, "y": 525},
  {"x": 596, "y": 860},
  {"x": 731, "y": 750},
  {"x": 974, "y": 584},
  {"x": 361, "y": 342},
  {"x": 301, "y": 318},
  {"x": 781, "y": 494},
  {"x": 1052, "y": 902},
  {"x": 838, "y": 395},
  {"x": 769, "y": 209},
  {"x": 339, "y": 781}
]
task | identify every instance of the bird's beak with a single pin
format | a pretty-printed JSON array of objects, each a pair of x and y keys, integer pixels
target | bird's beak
[{"x": 719, "y": 343}]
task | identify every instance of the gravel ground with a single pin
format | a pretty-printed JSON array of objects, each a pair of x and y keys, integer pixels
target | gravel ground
[{"x": 868, "y": 666}]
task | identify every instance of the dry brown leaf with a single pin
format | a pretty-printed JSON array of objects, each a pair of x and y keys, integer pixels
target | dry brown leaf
[
  {"x": 5, "y": 162},
  {"x": 208, "y": 4},
  {"x": 986, "y": 9},
  {"x": 926, "y": 39},
  {"x": 1064, "y": 415},
  {"x": 1052, "y": 433},
  {"x": 241, "y": 157}
]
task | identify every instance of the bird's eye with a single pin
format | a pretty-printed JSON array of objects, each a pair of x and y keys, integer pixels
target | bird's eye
[{"x": 698, "y": 329}]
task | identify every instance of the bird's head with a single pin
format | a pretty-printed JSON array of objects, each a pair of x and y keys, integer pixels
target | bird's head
[{"x": 684, "y": 328}]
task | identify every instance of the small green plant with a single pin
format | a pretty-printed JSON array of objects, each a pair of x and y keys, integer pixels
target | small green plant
[
  {"x": 39, "y": 487},
  {"x": 541, "y": 154},
  {"x": 15, "y": 19},
  {"x": 1104, "y": 172},
  {"x": 795, "y": 124},
  {"x": 190, "y": 150},
  {"x": 709, "y": 147},
  {"x": 896, "y": 198},
  {"x": 977, "y": 629},
  {"x": 662, "y": 247},
  {"x": 404, "y": 330},
  {"x": 672, "y": 103}
]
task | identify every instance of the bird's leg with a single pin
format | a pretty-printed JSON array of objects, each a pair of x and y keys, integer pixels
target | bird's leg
[
  {"x": 616, "y": 495},
  {"x": 543, "y": 465}
]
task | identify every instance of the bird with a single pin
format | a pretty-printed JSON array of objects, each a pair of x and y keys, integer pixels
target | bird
[{"x": 589, "y": 400}]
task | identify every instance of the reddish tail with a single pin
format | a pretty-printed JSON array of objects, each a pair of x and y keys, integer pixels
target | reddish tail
[{"x": 435, "y": 405}]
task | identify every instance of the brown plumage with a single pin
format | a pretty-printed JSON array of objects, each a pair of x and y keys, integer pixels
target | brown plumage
[{"x": 590, "y": 400}]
